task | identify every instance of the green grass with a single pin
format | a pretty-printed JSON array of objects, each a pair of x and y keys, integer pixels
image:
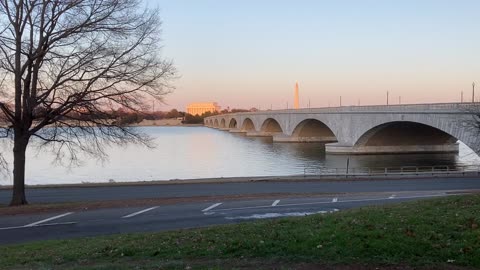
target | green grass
[{"x": 435, "y": 232}]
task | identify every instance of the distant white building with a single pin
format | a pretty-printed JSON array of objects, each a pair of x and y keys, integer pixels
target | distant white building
[{"x": 201, "y": 108}]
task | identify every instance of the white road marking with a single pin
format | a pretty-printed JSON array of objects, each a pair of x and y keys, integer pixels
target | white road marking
[
  {"x": 140, "y": 212},
  {"x": 12, "y": 228},
  {"x": 343, "y": 201},
  {"x": 211, "y": 207},
  {"x": 393, "y": 196},
  {"x": 40, "y": 225},
  {"x": 55, "y": 224},
  {"x": 275, "y": 202},
  {"x": 276, "y": 215},
  {"x": 335, "y": 200},
  {"x": 48, "y": 219}
]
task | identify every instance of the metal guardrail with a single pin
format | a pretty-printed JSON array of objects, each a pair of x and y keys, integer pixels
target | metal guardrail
[{"x": 392, "y": 171}]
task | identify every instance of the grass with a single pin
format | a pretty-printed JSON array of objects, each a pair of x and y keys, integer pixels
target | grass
[{"x": 436, "y": 233}]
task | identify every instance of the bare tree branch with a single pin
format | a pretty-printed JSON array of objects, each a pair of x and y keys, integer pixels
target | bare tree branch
[{"x": 67, "y": 66}]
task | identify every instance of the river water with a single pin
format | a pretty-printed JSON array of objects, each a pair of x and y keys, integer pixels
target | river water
[{"x": 200, "y": 152}]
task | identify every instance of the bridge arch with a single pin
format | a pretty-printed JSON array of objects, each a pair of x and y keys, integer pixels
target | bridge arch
[
  {"x": 313, "y": 130},
  {"x": 405, "y": 133},
  {"x": 215, "y": 123},
  {"x": 233, "y": 123},
  {"x": 405, "y": 137},
  {"x": 271, "y": 125},
  {"x": 248, "y": 125},
  {"x": 222, "y": 123}
]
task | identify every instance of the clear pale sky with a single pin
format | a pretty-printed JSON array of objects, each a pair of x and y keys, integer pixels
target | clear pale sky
[{"x": 249, "y": 53}]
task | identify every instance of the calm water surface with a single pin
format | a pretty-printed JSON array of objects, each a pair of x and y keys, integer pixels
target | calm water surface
[{"x": 199, "y": 152}]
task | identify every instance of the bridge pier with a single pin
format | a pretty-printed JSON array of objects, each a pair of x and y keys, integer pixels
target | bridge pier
[
  {"x": 260, "y": 134},
  {"x": 237, "y": 131},
  {"x": 336, "y": 148},
  {"x": 296, "y": 139}
]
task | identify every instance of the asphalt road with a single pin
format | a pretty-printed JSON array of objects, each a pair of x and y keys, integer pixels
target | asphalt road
[
  {"x": 81, "y": 194},
  {"x": 332, "y": 196},
  {"x": 63, "y": 225}
]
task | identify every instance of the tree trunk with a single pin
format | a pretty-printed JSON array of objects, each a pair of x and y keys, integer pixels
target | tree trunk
[{"x": 19, "y": 149}]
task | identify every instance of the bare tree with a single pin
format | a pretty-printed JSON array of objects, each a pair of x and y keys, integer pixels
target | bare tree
[{"x": 66, "y": 65}]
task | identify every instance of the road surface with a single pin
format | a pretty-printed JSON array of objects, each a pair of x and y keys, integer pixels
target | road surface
[
  {"x": 332, "y": 196},
  {"x": 106, "y": 193}
]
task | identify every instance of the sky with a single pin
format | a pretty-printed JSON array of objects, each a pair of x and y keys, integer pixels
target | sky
[{"x": 249, "y": 53}]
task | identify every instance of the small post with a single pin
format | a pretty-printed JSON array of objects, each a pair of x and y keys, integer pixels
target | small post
[
  {"x": 387, "y": 98},
  {"x": 348, "y": 164},
  {"x": 461, "y": 97},
  {"x": 473, "y": 92}
]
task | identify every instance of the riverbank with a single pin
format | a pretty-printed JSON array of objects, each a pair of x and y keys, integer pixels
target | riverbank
[
  {"x": 246, "y": 179},
  {"x": 431, "y": 234},
  {"x": 164, "y": 123}
]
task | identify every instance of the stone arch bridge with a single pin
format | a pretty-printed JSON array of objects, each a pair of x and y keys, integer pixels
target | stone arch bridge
[{"x": 418, "y": 128}]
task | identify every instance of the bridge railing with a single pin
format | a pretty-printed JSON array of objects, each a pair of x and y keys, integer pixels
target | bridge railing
[{"x": 392, "y": 171}]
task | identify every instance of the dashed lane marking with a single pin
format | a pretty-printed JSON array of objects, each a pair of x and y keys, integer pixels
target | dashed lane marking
[
  {"x": 48, "y": 219},
  {"x": 39, "y": 225},
  {"x": 140, "y": 212},
  {"x": 211, "y": 207}
]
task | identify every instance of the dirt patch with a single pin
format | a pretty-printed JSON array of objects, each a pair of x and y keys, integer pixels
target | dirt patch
[
  {"x": 370, "y": 267},
  {"x": 278, "y": 264},
  {"x": 266, "y": 264}
]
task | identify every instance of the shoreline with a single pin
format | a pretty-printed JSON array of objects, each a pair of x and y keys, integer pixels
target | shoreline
[
  {"x": 163, "y": 123},
  {"x": 249, "y": 179}
]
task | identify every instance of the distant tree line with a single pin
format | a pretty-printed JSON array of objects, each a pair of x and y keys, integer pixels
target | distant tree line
[
  {"x": 198, "y": 119},
  {"x": 125, "y": 117},
  {"x": 130, "y": 117}
]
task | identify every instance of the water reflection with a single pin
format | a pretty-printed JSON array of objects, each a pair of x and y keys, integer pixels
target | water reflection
[
  {"x": 198, "y": 152},
  {"x": 314, "y": 154}
]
